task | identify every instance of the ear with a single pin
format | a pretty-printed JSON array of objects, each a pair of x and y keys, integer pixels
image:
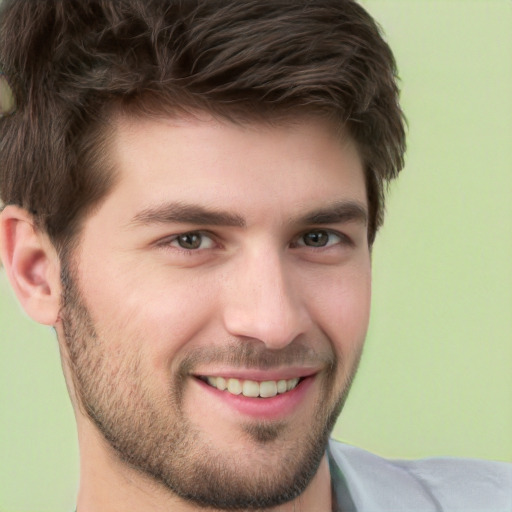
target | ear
[{"x": 32, "y": 265}]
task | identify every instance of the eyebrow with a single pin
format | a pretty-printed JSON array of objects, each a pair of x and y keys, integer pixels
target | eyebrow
[
  {"x": 187, "y": 214},
  {"x": 339, "y": 212},
  {"x": 180, "y": 213}
]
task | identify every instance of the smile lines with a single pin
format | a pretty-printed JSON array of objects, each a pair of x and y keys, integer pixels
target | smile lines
[{"x": 252, "y": 388}]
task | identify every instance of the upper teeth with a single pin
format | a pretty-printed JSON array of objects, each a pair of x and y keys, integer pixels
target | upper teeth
[{"x": 252, "y": 388}]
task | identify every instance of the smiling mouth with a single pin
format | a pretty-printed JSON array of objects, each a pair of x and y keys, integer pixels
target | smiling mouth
[{"x": 252, "y": 388}]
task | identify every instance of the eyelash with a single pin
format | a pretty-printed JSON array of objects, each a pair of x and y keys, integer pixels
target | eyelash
[
  {"x": 298, "y": 242},
  {"x": 342, "y": 239},
  {"x": 167, "y": 242}
]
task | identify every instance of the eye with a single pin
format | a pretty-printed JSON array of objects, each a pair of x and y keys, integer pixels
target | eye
[
  {"x": 193, "y": 240},
  {"x": 319, "y": 238}
]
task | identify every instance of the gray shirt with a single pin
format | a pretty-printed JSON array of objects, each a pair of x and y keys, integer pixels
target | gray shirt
[{"x": 363, "y": 482}]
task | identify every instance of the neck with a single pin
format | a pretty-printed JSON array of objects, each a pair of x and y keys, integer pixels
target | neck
[{"x": 110, "y": 485}]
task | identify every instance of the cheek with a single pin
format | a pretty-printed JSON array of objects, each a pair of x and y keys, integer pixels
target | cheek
[
  {"x": 341, "y": 308},
  {"x": 153, "y": 316}
]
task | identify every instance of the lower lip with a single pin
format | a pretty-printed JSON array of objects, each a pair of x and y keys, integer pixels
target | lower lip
[{"x": 273, "y": 408}]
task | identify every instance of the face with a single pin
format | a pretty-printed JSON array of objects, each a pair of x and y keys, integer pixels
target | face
[{"x": 215, "y": 310}]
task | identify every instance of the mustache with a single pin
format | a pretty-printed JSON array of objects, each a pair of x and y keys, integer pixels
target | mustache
[{"x": 254, "y": 355}]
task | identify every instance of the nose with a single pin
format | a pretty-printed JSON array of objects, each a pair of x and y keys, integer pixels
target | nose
[{"x": 263, "y": 302}]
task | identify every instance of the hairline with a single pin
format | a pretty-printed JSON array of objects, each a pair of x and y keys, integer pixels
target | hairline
[{"x": 115, "y": 113}]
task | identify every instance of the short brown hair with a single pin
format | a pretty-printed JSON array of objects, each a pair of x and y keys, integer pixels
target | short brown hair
[{"x": 72, "y": 63}]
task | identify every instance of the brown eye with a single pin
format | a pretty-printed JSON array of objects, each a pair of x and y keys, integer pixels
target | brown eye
[
  {"x": 316, "y": 238},
  {"x": 189, "y": 240}
]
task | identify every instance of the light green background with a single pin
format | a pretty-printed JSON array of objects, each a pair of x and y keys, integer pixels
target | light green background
[{"x": 436, "y": 374}]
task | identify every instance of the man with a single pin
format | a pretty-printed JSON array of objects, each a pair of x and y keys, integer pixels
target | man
[{"x": 192, "y": 191}]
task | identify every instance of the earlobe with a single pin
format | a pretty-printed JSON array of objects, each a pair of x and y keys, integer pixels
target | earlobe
[{"x": 31, "y": 263}]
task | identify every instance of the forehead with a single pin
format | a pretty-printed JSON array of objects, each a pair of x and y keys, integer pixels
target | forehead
[{"x": 294, "y": 164}]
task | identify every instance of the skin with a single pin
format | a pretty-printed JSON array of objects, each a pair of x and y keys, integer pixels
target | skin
[{"x": 140, "y": 317}]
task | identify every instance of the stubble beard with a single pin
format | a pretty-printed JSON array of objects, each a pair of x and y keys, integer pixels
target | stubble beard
[{"x": 154, "y": 437}]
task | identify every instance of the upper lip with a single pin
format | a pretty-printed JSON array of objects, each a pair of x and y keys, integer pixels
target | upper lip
[{"x": 284, "y": 373}]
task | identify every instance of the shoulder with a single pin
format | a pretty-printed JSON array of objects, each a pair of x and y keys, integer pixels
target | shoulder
[{"x": 433, "y": 484}]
